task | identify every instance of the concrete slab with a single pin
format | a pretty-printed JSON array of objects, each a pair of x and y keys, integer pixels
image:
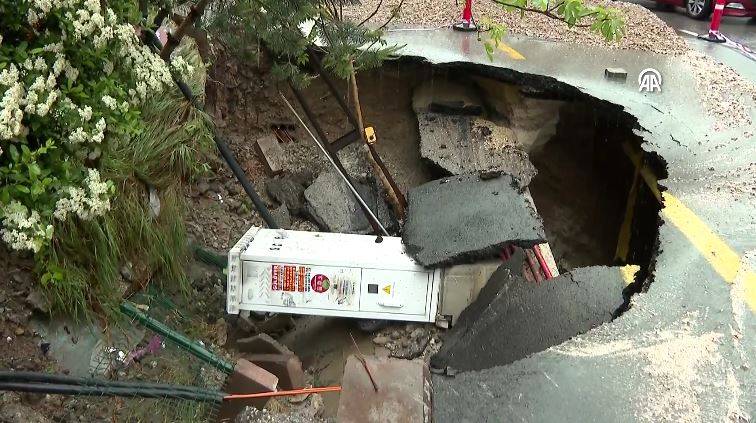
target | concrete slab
[
  {"x": 404, "y": 392},
  {"x": 464, "y": 218},
  {"x": 333, "y": 206},
  {"x": 513, "y": 318},
  {"x": 464, "y": 144}
]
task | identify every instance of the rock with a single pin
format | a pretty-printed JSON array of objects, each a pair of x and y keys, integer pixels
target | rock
[
  {"x": 232, "y": 186},
  {"x": 203, "y": 187},
  {"x": 396, "y": 334},
  {"x": 512, "y": 318},
  {"x": 282, "y": 216},
  {"x": 289, "y": 191},
  {"x": 413, "y": 348},
  {"x": 19, "y": 331},
  {"x": 20, "y": 413},
  {"x": 467, "y": 219},
  {"x": 417, "y": 333},
  {"x": 127, "y": 272},
  {"x": 232, "y": 204},
  {"x": 464, "y": 144},
  {"x": 38, "y": 302},
  {"x": 332, "y": 205},
  {"x": 380, "y": 340}
]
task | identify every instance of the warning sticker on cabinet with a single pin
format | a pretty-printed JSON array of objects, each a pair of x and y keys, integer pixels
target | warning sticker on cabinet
[
  {"x": 289, "y": 278},
  {"x": 297, "y": 285}
]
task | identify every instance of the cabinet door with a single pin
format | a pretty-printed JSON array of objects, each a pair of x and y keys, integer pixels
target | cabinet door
[{"x": 394, "y": 291}]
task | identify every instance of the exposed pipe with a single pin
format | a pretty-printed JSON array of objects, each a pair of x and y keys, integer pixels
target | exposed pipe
[
  {"x": 371, "y": 215},
  {"x": 225, "y": 151}
]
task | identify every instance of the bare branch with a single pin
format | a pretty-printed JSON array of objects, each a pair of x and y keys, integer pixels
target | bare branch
[
  {"x": 175, "y": 39},
  {"x": 380, "y": 2}
]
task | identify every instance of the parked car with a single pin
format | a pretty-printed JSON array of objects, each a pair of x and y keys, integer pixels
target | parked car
[{"x": 701, "y": 9}]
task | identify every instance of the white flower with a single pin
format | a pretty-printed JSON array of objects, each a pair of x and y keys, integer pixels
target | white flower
[
  {"x": 110, "y": 102},
  {"x": 71, "y": 72},
  {"x": 9, "y": 76},
  {"x": 87, "y": 202},
  {"x": 85, "y": 113},
  {"x": 22, "y": 229},
  {"x": 78, "y": 136},
  {"x": 108, "y": 67},
  {"x": 40, "y": 64}
]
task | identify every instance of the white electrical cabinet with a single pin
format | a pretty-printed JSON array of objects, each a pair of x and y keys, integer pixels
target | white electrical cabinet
[{"x": 329, "y": 274}]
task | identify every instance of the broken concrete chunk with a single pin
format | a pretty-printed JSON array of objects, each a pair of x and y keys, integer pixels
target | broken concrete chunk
[
  {"x": 282, "y": 216},
  {"x": 286, "y": 367},
  {"x": 463, "y": 218},
  {"x": 288, "y": 191},
  {"x": 271, "y": 154},
  {"x": 532, "y": 120},
  {"x": 333, "y": 206},
  {"x": 513, "y": 318},
  {"x": 261, "y": 344},
  {"x": 464, "y": 144},
  {"x": 403, "y": 396}
]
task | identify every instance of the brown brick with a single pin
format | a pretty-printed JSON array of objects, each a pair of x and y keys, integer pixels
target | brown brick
[
  {"x": 247, "y": 378},
  {"x": 287, "y": 367}
]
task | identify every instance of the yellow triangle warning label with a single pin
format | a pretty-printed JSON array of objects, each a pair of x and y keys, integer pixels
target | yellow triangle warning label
[{"x": 387, "y": 289}]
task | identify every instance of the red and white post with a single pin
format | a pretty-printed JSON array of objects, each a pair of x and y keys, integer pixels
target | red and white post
[
  {"x": 467, "y": 23},
  {"x": 714, "y": 35}
]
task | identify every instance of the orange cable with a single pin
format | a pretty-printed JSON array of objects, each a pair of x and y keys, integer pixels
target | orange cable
[{"x": 284, "y": 393}]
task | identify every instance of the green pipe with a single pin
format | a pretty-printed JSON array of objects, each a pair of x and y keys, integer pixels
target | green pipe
[{"x": 194, "y": 348}]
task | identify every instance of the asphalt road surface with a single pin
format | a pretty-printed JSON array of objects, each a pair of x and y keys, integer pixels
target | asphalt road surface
[{"x": 741, "y": 30}]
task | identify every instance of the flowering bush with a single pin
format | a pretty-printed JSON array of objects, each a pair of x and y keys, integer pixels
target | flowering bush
[{"x": 73, "y": 75}]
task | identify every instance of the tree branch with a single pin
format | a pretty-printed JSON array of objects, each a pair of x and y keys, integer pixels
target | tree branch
[
  {"x": 547, "y": 13},
  {"x": 370, "y": 16},
  {"x": 174, "y": 39}
]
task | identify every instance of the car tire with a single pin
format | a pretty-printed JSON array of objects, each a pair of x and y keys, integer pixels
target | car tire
[{"x": 698, "y": 9}]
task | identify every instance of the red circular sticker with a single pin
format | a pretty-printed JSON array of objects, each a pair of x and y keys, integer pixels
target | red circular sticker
[{"x": 320, "y": 283}]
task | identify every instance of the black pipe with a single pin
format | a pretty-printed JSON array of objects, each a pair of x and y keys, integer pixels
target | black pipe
[
  {"x": 46, "y": 378},
  {"x": 108, "y": 391},
  {"x": 225, "y": 151}
]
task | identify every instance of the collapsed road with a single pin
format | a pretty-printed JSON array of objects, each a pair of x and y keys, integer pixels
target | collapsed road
[{"x": 684, "y": 349}]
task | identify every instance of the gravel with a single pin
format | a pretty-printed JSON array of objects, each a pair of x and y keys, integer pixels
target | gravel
[
  {"x": 645, "y": 31},
  {"x": 728, "y": 96}
]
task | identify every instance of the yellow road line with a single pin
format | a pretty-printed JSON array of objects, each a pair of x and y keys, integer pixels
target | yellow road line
[
  {"x": 725, "y": 261},
  {"x": 512, "y": 53}
]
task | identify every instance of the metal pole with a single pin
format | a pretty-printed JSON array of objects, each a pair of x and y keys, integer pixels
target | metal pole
[
  {"x": 714, "y": 35},
  {"x": 467, "y": 23},
  {"x": 364, "y": 205}
]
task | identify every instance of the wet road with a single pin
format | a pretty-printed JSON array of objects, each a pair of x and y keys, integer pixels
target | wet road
[{"x": 741, "y": 30}]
